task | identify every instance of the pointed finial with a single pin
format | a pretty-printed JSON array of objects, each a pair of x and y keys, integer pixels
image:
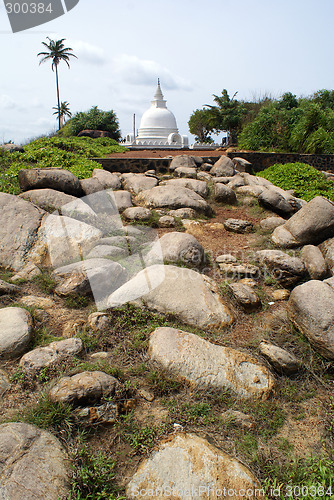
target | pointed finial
[{"x": 158, "y": 81}]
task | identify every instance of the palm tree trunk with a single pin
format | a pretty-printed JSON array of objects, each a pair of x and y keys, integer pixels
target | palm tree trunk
[{"x": 58, "y": 98}]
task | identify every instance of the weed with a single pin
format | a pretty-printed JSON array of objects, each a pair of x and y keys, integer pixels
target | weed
[
  {"x": 141, "y": 439},
  {"x": 90, "y": 339},
  {"x": 77, "y": 302},
  {"x": 47, "y": 414},
  {"x": 93, "y": 476},
  {"x": 45, "y": 282},
  {"x": 42, "y": 337},
  {"x": 163, "y": 384}
]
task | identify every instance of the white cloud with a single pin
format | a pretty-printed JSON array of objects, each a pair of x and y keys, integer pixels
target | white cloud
[
  {"x": 6, "y": 102},
  {"x": 135, "y": 71},
  {"x": 87, "y": 52}
]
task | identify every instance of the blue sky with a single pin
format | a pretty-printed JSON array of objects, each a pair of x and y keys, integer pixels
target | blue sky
[{"x": 196, "y": 47}]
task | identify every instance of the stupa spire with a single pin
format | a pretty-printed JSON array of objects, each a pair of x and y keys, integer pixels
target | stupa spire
[{"x": 158, "y": 96}]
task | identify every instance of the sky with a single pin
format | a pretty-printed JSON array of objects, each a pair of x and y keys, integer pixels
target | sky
[{"x": 196, "y": 47}]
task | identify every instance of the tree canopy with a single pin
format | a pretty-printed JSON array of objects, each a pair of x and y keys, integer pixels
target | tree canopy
[{"x": 94, "y": 119}]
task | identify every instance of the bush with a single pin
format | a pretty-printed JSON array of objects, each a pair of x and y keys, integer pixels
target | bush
[
  {"x": 71, "y": 153},
  {"x": 94, "y": 119},
  {"x": 306, "y": 181}
]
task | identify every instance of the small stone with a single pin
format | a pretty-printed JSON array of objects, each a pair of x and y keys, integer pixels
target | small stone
[
  {"x": 238, "y": 418},
  {"x": 280, "y": 294},
  {"x": 238, "y": 271},
  {"x": 183, "y": 213},
  {"x": 270, "y": 223},
  {"x": 143, "y": 393},
  {"x": 27, "y": 273},
  {"x": 15, "y": 331},
  {"x": 100, "y": 355},
  {"x": 226, "y": 259},
  {"x": 166, "y": 221},
  {"x": 83, "y": 386},
  {"x": 245, "y": 295},
  {"x": 224, "y": 194},
  {"x": 282, "y": 360},
  {"x": 7, "y": 288},
  {"x": 137, "y": 214},
  {"x": 104, "y": 414},
  {"x": 98, "y": 321},
  {"x": 39, "y": 302},
  {"x": 238, "y": 226},
  {"x": 4, "y": 382}
]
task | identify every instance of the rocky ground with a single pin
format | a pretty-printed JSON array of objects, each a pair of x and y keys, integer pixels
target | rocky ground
[{"x": 185, "y": 344}]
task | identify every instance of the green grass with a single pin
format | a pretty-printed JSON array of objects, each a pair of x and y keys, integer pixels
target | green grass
[
  {"x": 72, "y": 153},
  {"x": 306, "y": 181}
]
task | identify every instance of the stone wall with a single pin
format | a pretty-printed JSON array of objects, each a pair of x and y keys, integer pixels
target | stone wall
[{"x": 261, "y": 161}]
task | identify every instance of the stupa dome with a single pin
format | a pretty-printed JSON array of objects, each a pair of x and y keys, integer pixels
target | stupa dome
[{"x": 158, "y": 126}]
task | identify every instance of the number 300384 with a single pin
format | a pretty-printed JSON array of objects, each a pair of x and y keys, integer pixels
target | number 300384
[{"x": 28, "y": 8}]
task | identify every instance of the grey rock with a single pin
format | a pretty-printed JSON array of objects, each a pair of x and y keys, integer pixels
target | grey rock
[
  {"x": 179, "y": 248},
  {"x": 311, "y": 309},
  {"x": 50, "y": 355},
  {"x": 103, "y": 414},
  {"x": 48, "y": 199},
  {"x": 204, "y": 176},
  {"x": 98, "y": 321},
  {"x": 250, "y": 190},
  {"x": 200, "y": 187},
  {"x": 137, "y": 213},
  {"x": 135, "y": 183},
  {"x": 8, "y": 288},
  {"x": 91, "y": 185},
  {"x": 206, "y": 365},
  {"x": 186, "y": 172},
  {"x": 238, "y": 271},
  {"x": 107, "y": 252},
  {"x": 238, "y": 226},
  {"x": 312, "y": 224},
  {"x": 246, "y": 296},
  {"x": 4, "y": 382},
  {"x": 122, "y": 199},
  {"x": 20, "y": 221},
  {"x": 314, "y": 262},
  {"x": 183, "y": 213},
  {"x": 226, "y": 258},
  {"x": 280, "y": 294},
  {"x": 173, "y": 197},
  {"x": 182, "y": 161},
  {"x": 206, "y": 167},
  {"x": 282, "y": 360},
  {"x": 53, "y": 178},
  {"x": 286, "y": 269},
  {"x": 107, "y": 179},
  {"x": 224, "y": 167},
  {"x": 33, "y": 464},
  {"x": 85, "y": 386},
  {"x": 195, "y": 299},
  {"x": 236, "y": 181},
  {"x": 176, "y": 465},
  {"x": 224, "y": 194},
  {"x": 274, "y": 201},
  {"x": 271, "y": 223},
  {"x": 242, "y": 165},
  {"x": 327, "y": 249},
  {"x": 166, "y": 221},
  {"x": 15, "y": 331}
]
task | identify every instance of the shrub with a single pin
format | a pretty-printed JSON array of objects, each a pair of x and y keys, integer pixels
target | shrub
[
  {"x": 306, "y": 181},
  {"x": 71, "y": 153},
  {"x": 94, "y": 119}
]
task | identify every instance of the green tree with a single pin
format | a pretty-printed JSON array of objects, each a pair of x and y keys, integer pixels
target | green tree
[
  {"x": 56, "y": 52},
  {"x": 227, "y": 115},
  {"x": 199, "y": 125},
  {"x": 94, "y": 119},
  {"x": 63, "y": 111}
]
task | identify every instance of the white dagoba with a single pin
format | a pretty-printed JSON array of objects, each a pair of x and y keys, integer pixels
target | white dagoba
[{"x": 158, "y": 127}]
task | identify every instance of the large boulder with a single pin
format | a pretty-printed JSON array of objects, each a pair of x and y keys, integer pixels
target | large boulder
[
  {"x": 192, "y": 297},
  {"x": 182, "y": 161},
  {"x": 53, "y": 178},
  {"x": 91, "y": 185},
  {"x": 274, "y": 201},
  {"x": 224, "y": 194},
  {"x": 15, "y": 332},
  {"x": 224, "y": 167},
  {"x": 314, "y": 262},
  {"x": 135, "y": 183},
  {"x": 200, "y": 187},
  {"x": 286, "y": 269},
  {"x": 122, "y": 200},
  {"x": 186, "y": 172},
  {"x": 62, "y": 240},
  {"x": 179, "y": 248},
  {"x": 186, "y": 466},
  {"x": 311, "y": 309},
  {"x": 327, "y": 249},
  {"x": 209, "y": 366},
  {"x": 107, "y": 179},
  {"x": 48, "y": 199},
  {"x": 33, "y": 464},
  {"x": 20, "y": 221},
  {"x": 312, "y": 224},
  {"x": 173, "y": 197}
]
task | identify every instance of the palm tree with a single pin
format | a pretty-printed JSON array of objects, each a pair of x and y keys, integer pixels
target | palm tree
[
  {"x": 62, "y": 112},
  {"x": 56, "y": 52}
]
